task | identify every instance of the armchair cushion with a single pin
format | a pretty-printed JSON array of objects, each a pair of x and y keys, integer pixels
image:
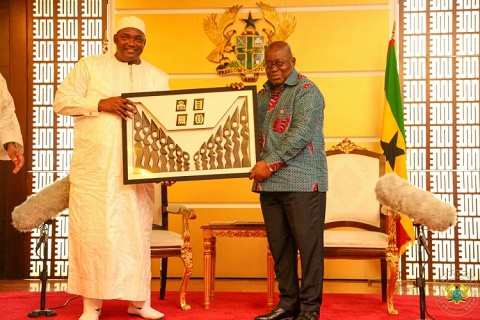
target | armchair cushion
[
  {"x": 355, "y": 239},
  {"x": 165, "y": 238}
]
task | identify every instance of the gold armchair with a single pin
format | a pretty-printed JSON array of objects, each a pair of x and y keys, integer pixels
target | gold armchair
[
  {"x": 355, "y": 227},
  {"x": 165, "y": 243}
]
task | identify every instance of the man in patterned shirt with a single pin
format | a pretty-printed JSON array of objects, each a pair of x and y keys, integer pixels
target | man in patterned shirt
[{"x": 291, "y": 178}]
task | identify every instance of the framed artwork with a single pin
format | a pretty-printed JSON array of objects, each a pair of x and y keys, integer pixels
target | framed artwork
[{"x": 190, "y": 135}]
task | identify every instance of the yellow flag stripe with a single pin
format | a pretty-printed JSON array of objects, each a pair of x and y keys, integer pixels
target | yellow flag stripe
[{"x": 393, "y": 124}]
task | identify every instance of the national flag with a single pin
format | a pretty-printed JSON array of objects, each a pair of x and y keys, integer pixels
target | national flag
[{"x": 393, "y": 139}]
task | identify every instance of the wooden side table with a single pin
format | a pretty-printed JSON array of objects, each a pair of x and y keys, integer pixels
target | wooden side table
[{"x": 230, "y": 229}]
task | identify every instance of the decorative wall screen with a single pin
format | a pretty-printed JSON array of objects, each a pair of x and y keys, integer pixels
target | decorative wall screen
[
  {"x": 62, "y": 31},
  {"x": 439, "y": 52}
]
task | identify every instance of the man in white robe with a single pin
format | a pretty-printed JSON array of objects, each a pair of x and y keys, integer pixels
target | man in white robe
[
  {"x": 109, "y": 223},
  {"x": 10, "y": 134}
]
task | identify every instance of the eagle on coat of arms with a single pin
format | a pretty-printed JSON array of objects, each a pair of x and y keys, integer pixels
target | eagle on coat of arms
[{"x": 218, "y": 34}]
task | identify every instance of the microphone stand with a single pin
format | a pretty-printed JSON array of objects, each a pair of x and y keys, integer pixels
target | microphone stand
[
  {"x": 420, "y": 280},
  {"x": 43, "y": 275}
]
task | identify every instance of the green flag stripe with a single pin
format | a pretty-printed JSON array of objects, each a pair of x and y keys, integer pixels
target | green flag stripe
[{"x": 392, "y": 87}]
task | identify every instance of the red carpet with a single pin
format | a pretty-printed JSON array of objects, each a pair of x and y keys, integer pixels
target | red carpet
[{"x": 229, "y": 306}]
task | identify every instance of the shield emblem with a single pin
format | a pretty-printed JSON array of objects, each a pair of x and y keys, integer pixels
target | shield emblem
[{"x": 250, "y": 51}]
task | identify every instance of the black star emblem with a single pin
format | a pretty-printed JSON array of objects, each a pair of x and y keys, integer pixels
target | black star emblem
[
  {"x": 391, "y": 151},
  {"x": 250, "y": 21}
]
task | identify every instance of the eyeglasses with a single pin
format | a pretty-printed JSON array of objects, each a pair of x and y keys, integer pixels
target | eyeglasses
[{"x": 278, "y": 64}]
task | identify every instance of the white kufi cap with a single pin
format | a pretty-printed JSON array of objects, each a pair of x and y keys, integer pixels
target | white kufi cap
[{"x": 130, "y": 22}]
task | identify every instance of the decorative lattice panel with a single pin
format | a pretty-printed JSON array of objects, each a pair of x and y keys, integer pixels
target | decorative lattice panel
[
  {"x": 63, "y": 31},
  {"x": 439, "y": 64}
]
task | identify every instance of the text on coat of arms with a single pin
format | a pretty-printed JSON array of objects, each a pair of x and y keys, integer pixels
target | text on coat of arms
[{"x": 242, "y": 52}]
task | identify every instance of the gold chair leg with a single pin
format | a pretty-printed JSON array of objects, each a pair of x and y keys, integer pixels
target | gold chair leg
[
  {"x": 187, "y": 259},
  {"x": 392, "y": 259}
]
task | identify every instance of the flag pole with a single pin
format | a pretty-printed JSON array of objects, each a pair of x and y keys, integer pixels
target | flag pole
[{"x": 393, "y": 30}]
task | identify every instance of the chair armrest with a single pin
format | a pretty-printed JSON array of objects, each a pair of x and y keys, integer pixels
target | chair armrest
[
  {"x": 175, "y": 208},
  {"x": 188, "y": 214}
]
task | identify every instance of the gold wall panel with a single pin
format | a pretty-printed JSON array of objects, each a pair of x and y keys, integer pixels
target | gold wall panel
[
  {"x": 213, "y": 191},
  {"x": 177, "y": 83},
  {"x": 346, "y": 269},
  {"x": 347, "y": 102},
  {"x": 343, "y": 41},
  {"x": 187, "y": 4}
]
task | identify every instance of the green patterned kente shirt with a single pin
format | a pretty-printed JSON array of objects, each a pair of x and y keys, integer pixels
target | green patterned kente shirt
[{"x": 292, "y": 142}]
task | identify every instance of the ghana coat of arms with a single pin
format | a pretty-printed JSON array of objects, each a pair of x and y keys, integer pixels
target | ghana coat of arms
[{"x": 240, "y": 51}]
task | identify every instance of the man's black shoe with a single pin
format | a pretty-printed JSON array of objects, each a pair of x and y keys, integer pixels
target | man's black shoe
[
  {"x": 278, "y": 314},
  {"x": 308, "y": 315}
]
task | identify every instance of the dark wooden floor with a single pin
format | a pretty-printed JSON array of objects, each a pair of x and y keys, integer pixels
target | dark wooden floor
[{"x": 238, "y": 285}]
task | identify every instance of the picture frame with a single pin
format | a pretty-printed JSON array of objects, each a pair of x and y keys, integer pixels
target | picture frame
[{"x": 193, "y": 134}]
